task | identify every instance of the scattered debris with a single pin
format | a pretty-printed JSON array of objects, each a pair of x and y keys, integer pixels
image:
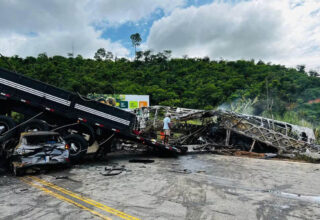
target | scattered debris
[
  {"x": 270, "y": 155},
  {"x": 141, "y": 161},
  {"x": 113, "y": 171},
  {"x": 201, "y": 171},
  {"x": 249, "y": 154},
  {"x": 184, "y": 171},
  {"x": 62, "y": 177}
]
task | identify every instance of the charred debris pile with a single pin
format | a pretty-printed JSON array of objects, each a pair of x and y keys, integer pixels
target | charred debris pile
[{"x": 230, "y": 133}]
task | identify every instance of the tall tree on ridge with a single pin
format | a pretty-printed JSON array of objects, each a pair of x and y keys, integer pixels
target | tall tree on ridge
[{"x": 136, "y": 40}]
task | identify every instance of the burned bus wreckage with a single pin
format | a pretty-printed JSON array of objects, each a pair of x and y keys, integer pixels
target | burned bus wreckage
[{"x": 229, "y": 132}]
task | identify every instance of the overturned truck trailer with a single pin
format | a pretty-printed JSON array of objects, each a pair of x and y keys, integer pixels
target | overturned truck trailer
[
  {"x": 223, "y": 130},
  {"x": 80, "y": 120}
]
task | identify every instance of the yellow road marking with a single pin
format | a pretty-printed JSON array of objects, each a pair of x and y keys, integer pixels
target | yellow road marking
[
  {"x": 86, "y": 200},
  {"x": 58, "y": 196}
]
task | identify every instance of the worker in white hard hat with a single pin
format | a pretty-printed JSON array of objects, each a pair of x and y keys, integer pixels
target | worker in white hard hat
[{"x": 166, "y": 128}]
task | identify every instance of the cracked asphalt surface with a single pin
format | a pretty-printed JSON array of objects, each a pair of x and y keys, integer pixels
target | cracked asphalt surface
[{"x": 198, "y": 186}]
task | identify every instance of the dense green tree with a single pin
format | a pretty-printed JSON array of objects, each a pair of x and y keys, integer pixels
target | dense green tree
[{"x": 185, "y": 82}]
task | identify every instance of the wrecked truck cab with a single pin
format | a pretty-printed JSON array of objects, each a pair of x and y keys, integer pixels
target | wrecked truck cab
[{"x": 37, "y": 150}]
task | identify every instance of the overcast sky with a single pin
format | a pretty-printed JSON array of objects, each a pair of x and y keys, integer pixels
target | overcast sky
[{"x": 277, "y": 31}]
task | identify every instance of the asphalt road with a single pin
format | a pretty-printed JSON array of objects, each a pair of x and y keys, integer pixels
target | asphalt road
[{"x": 202, "y": 186}]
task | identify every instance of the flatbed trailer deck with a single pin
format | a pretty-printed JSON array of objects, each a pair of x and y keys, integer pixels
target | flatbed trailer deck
[{"x": 59, "y": 108}]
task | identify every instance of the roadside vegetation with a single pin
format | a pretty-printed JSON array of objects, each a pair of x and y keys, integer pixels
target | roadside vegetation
[{"x": 266, "y": 89}]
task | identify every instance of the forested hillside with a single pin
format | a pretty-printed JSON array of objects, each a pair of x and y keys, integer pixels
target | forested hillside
[{"x": 269, "y": 90}]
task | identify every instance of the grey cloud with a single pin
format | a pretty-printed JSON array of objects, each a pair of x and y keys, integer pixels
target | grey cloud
[
  {"x": 220, "y": 30},
  {"x": 37, "y": 16}
]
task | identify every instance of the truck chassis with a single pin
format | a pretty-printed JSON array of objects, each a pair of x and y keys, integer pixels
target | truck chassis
[{"x": 45, "y": 107}]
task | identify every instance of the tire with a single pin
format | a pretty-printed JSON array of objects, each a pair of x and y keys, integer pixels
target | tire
[
  {"x": 78, "y": 146},
  {"x": 35, "y": 125},
  {"x": 83, "y": 129},
  {"x": 8, "y": 146},
  {"x": 6, "y": 123}
]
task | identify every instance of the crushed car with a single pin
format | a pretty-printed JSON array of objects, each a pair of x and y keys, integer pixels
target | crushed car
[{"x": 39, "y": 149}]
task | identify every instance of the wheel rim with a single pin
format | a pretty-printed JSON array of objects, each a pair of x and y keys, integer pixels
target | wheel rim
[{"x": 75, "y": 148}]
